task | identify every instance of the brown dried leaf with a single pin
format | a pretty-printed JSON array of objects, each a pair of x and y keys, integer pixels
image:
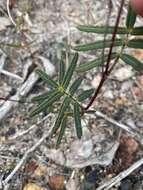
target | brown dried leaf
[
  {"x": 138, "y": 92},
  {"x": 129, "y": 145},
  {"x": 31, "y": 166},
  {"x": 56, "y": 182}
]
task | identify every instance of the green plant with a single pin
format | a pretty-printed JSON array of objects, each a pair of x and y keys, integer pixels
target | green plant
[
  {"x": 72, "y": 103},
  {"x": 62, "y": 88}
]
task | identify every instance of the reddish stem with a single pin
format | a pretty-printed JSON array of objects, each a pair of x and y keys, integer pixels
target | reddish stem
[{"x": 105, "y": 73}]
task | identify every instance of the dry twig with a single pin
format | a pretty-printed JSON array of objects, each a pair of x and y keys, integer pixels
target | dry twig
[
  {"x": 132, "y": 132},
  {"x": 7, "y": 73},
  {"x": 22, "y": 92},
  {"x": 9, "y": 13},
  {"x": 121, "y": 176},
  {"x": 21, "y": 134},
  {"x": 4, "y": 182}
]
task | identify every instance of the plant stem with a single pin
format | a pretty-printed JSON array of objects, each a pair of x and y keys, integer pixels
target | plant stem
[
  {"x": 105, "y": 34},
  {"x": 105, "y": 73}
]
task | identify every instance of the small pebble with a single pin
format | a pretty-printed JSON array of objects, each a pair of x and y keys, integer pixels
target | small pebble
[
  {"x": 95, "y": 82},
  {"x": 124, "y": 73},
  {"x": 93, "y": 176},
  {"x": 126, "y": 185},
  {"x": 109, "y": 94}
]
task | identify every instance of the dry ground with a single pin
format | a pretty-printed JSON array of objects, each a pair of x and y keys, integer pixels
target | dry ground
[{"x": 44, "y": 28}]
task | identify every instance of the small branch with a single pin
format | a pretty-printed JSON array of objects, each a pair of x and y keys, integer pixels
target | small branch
[
  {"x": 95, "y": 94},
  {"x": 9, "y": 14},
  {"x": 2, "y": 61},
  {"x": 22, "y": 92},
  {"x": 121, "y": 176},
  {"x": 105, "y": 34},
  {"x": 114, "y": 36},
  {"x": 132, "y": 132},
  {"x": 135, "y": 134},
  {"x": 7, "y": 73},
  {"x": 21, "y": 134},
  {"x": 105, "y": 73},
  {"x": 25, "y": 156}
]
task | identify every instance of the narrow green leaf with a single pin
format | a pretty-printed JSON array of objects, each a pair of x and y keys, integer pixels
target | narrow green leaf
[
  {"x": 62, "y": 110},
  {"x": 66, "y": 104},
  {"x": 95, "y": 63},
  {"x": 46, "y": 78},
  {"x": 76, "y": 84},
  {"x": 137, "y": 31},
  {"x": 86, "y": 94},
  {"x": 98, "y": 45},
  {"x": 131, "y": 17},
  {"x": 43, "y": 96},
  {"x": 136, "y": 43},
  {"x": 50, "y": 109},
  {"x": 130, "y": 60},
  {"x": 61, "y": 69},
  {"x": 44, "y": 105},
  {"x": 77, "y": 118},
  {"x": 70, "y": 71},
  {"x": 101, "y": 29},
  {"x": 62, "y": 130}
]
